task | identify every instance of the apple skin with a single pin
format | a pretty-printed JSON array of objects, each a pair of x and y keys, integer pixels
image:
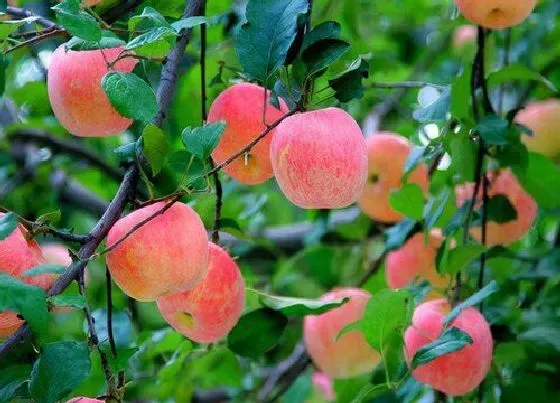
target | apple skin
[
  {"x": 506, "y": 184},
  {"x": 464, "y": 35},
  {"x": 350, "y": 355},
  {"x": 496, "y": 14},
  {"x": 168, "y": 254},
  {"x": 77, "y": 99},
  {"x": 543, "y": 118},
  {"x": 415, "y": 258},
  {"x": 18, "y": 254},
  {"x": 387, "y": 155},
  {"x": 241, "y": 107},
  {"x": 209, "y": 311},
  {"x": 457, "y": 373},
  {"x": 320, "y": 159},
  {"x": 84, "y": 400},
  {"x": 56, "y": 254}
]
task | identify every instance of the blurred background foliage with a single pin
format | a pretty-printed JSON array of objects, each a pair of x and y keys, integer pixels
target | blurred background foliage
[{"x": 309, "y": 252}]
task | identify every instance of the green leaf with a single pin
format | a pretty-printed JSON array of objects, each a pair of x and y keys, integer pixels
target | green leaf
[
  {"x": 460, "y": 93},
  {"x": 297, "y": 306},
  {"x": 437, "y": 209},
  {"x": 191, "y": 22},
  {"x": 321, "y": 32},
  {"x": 60, "y": 368},
  {"x": 463, "y": 152},
  {"x": 131, "y": 96},
  {"x": 474, "y": 299},
  {"x": 414, "y": 158},
  {"x": 8, "y": 27},
  {"x": 436, "y": 111},
  {"x": 155, "y": 147},
  {"x": 157, "y": 42},
  {"x": 8, "y": 224},
  {"x": 11, "y": 379},
  {"x": 457, "y": 219},
  {"x": 201, "y": 141},
  {"x": 348, "y": 84},
  {"x": 108, "y": 40},
  {"x": 149, "y": 19},
  {"x": 75, "y": 301},
  {"x": 257, "y": 332},
  {"x": 28, "y": 300},
  {"x": 263, "y": 42},
  {"x": 408, "y": 200},
  {"x": 77, "y": 22},
  {"x": 493, "y": 130},
  {"x": 499, "y": 210},
  {"x": 51, "y": 217},
  {"x": 541, "y": 180},
  {"x": 44, "y": 269},
  {"x": 232, "y": 227},
  {"x": 397, "y": 235},
  {"x": 518, "y": 72},
  {"x": 320, "y": 55},
  {"x": 451, "y": 340},
  {"x": 459, "y": 258},
  {"x": 387, "y": 312}
]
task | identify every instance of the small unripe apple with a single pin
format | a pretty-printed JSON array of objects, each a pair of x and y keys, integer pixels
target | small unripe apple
[
  {"x": 241, "y": 107},
  {"x": 209, "y": 311},
  {"x": 506, "y": 184},
  {"x": 464, "y": 35},
  {"x": 457, "y": 373},
  {"x": 496, "y": 14},
  {"x": 387, "y": 155},
  {"x": 319, "y": 159},
  {"x": 323, "y": 385},
  {"x": 350, "y": 355},
  {"x": 168, "y": 254},
  {"x": 543, "y": 118},
  {"x": 415, "y": 259},
  {"x": 77, "y": 98}
]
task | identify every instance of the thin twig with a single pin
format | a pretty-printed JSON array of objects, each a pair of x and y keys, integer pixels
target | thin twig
[
  {"x": 112, "y": 343},
  {"x": 405, "y": 84}
]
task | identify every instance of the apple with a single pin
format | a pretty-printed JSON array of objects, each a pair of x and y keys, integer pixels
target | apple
[
  {"x": 241, "y": 107},
  {"x": 496, "y": 14},
  {"x": 319, "y": 159},
  {"x": 543, "y": 118},
  {"x": 168, "y": 254},
  {"x": 209, "y": 311},
  {"x": 457, "y": 373}
]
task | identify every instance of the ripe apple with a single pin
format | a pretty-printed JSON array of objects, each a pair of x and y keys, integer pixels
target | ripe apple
[
  {"x": 506, "y": 184},
  {"x": 496, "y": 14},
  {"x": 319, "y": 159},
  {"x": 543, "y": 118},
  {"x": 350, "y": 355},
  {"x": 209, "y": 311},
  {"x": 457, "y": 373},
  {"x": 416, "y": 258},
  {"x": 387, "y": 154},
  {"x": 75, "y": 93},
  {"x": 241, "y": 107},
  {"x": 168, "y": 254}
]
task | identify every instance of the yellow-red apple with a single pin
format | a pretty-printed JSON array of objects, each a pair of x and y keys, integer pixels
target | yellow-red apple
[
  {"x": 209, "y": 311},
  {"x": 84, "y": 400},
  {"x": 387, "y": 154},
  {"x": 75, "y": 93},
  {"x": 415, "y": 259},
  {"x": 168, "y": 254},
  {"x": 350, "y": 355},
  {"x": 241, "y": 107},
  {"x": 496, "y": 14},
  {"x": 320, "y": 159},
  {"x": 506, "y": 184},
  {"x": 543, "y": 118},
  {"x": 459, "y": 372}
]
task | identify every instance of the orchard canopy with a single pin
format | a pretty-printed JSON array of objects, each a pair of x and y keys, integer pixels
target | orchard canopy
[{"x": 279, "y": 201}]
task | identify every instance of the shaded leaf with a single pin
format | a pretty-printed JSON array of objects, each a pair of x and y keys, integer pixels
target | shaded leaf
[
  {"x": 298, "y": 306},
  {"x": 44, "y": 269},
  {"x": 78, "y": 22},
  {"x": 8, "y": 224},
  {"x": 131, "y": 96},
  {"x": 451, "y": 340},
  {"x": 201, "y": 141},
  {"x": 408, "y": 200},
  {"x": 155, "y": 147},
  {"x": 474, "y": 299}
]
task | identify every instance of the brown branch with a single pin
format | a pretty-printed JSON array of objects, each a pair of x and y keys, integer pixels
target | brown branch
[
  {"x": 61, "y": 145},
  {"x": 23, "y": 13}
]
